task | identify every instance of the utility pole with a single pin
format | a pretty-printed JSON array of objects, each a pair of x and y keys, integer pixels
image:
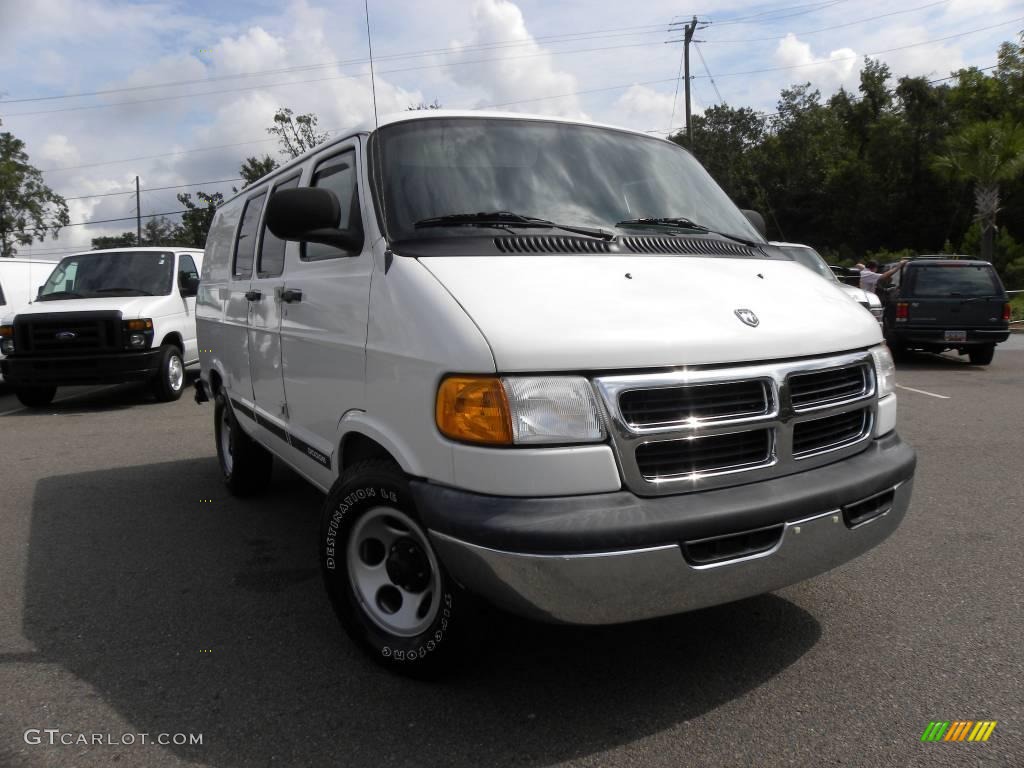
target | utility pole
[
  {"x": 138, "y": 204},
  {"x": 688, "y": 30}
]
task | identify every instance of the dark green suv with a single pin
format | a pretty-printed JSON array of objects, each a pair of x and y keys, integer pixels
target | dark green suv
[{"x": 936, "y": 303}]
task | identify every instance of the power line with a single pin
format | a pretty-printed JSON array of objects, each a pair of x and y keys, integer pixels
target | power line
[
  {"x": 714, "y": 85},
  {"x": 758, "y": 18},
  {"x": 103, "y": 221},
  {"x": 154, "y": 189}
]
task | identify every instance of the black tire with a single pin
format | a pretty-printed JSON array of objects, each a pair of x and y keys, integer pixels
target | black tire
[
  {"x": 35, "y": 397},
  {"x": 982, "y": 355},
  {"x": 366, "y": 494},
  {"x": 245, "y": 465},
  {"x": 170, "y": 380}
]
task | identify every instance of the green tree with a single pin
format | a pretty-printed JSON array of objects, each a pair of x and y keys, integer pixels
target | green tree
[
  {"x": 724, "y": 140},
  {"x": 985, "y": 154},
  {"x": 28, "y": 207},
  {"x": 435, "y": 104},
  {"x": 124, "y": 240},
  {"x": 296, "y": 133},
  {"x": 159, "y": 231},
  {"x": 195, "y": 222},
  {"x": 253, "y": 169}
]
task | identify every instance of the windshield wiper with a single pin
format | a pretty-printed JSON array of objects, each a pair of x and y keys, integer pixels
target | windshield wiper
[
  {"x": 681, "y": 222},
  {"x": 506, "y": 219},
  {"x": 135, "y": 290},
  {"x": 62, "y": 294}
]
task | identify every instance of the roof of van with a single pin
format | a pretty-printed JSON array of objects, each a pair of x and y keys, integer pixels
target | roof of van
[
  {"x": 368, "y": 126},
  {"x": 158, "y": 248}
]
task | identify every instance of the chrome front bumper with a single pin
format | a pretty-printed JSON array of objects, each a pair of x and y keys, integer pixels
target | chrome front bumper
[{"x": 627, "y": 585}]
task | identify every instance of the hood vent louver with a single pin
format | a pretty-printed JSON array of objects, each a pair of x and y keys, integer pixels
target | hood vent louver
[
  {"x": 550, "y": 244},
  {"x": 691, "y": 246}
]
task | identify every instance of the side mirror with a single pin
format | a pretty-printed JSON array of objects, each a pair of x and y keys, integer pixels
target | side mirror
[
  {"x": 310, "y": 215},
  {"x": 188, "y": 283},
  {"x": 757, "y": 220}
]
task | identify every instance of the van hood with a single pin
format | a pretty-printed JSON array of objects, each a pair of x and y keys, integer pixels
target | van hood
[
  {"x": 132, "y": 307},
  {"x": 544, "y": 313}
]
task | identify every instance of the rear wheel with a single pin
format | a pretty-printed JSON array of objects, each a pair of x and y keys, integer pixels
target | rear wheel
[
  {"x": 386, "y": 583},
  {"x": 245, "y": 465},
  {"x": 982, "y": 355},
  {"x": 35, "y": 397},
  {"x": 170, "y": 381}
]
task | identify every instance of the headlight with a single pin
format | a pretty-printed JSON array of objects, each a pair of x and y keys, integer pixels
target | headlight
[
  {"x": 519, "y": 410},
  {"x": 6, "y": 339},
  {"x": 138, "y": 334},
  {"x": 885, "y": 370},
  {"x": 137, "y": 340}
]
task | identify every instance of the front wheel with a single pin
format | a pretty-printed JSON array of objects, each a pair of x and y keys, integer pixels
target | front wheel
[
  {"x": 35, "y": 397},
  {"x": 982, "y": 355},
  {"x": 170, "y": 380},
  {"x": 385, "y": 581}
]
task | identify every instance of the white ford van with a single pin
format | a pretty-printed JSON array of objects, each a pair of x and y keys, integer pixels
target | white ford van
[
  {"x": 105, "y": 317},
  {"x": 545, "y": 362}
]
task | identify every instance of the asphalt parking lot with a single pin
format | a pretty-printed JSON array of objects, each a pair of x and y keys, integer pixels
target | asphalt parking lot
[{"x": 137, "y": 596}]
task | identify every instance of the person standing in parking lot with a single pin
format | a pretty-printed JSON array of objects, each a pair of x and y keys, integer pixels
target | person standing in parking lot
[{"x": 869, "y": 277}]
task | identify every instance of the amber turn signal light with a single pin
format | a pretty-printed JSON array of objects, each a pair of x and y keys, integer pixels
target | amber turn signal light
[
  {"x": 6, "y": 331},
  {"x": 474, "y": 409},
  {"x": 139, "y": 325}
]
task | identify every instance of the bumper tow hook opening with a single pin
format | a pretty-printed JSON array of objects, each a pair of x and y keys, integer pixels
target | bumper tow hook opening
[
  {"x": 868, "y": 509},
  {"x": 720, "y": 549}
]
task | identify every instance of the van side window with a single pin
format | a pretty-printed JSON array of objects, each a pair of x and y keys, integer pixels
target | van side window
[
  {"x": 245, "y": 246},
  {"x": 337, "y": 174},
  {"x": 271, "y": 259},
  {"x": 187, "y": 266}
]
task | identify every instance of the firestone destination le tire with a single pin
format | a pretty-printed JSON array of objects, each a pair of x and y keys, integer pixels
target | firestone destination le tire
[
  {"x": 35, "y": 397},
  {"x": 245, "y": 465},
  {"x": 170, "y": 380},
  {"x": 386, "y": 583}
]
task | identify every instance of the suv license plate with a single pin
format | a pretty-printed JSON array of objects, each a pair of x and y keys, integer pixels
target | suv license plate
[{"x": 956, "y": 335}]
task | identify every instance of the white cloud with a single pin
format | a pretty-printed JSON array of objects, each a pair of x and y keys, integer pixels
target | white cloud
[
  {"x": 527, "y": 72},
  {"x": 646, "y": 109},
  {"x": 839, "y": 68},
  {"x": 58, "y": 150}
]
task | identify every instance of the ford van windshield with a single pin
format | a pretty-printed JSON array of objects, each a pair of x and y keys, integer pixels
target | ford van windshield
[
  {"x": 127, "y": 273},
  {"x": 448, "y": 171}
]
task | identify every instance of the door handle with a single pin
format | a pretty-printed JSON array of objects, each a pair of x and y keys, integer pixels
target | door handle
[
  {"x": 254, "y": 295},
  {"x": 291, "y": 294}
]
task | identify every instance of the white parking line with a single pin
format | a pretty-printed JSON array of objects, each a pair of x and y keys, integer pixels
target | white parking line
[
  {"x": 62, "y": 399},
  {"x": 923, "y": 392}
]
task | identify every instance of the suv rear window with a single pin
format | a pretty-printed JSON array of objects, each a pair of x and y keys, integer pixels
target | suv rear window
[{"x": 954, "y": 280}]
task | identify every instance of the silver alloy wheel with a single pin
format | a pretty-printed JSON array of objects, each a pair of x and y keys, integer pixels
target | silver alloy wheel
[
  {"x": 225, "y": 441},
  {"x": 394, "y": 572},
  {"x": 175, "y": 373}
]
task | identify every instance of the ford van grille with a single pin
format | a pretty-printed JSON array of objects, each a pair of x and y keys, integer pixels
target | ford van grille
[
  {"x": 811, "y": 390},
  {"x": 71, "y": 333},
  {"x": 677, "y": 405},
  {"x": 715, "y": 453},
  {"x": 710, "y": 427},
  {"x": 550, "y": 244}
]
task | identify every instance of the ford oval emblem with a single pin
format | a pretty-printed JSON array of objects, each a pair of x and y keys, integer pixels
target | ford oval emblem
[
  {"x": 747, "y": 316},
  {"x": 66, "y": 335}
]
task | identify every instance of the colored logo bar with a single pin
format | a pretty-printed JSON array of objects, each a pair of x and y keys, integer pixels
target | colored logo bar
[{"x": 959, "y": 730}]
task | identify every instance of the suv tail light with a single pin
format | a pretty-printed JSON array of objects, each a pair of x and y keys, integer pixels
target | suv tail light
[
  {"x": 1006, "y": 311},
  {"x": 902, "y": 311}
]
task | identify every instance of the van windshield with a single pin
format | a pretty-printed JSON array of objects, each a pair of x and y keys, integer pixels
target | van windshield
[
  {"x": 575, "y": 175},
  {"x": 118, "y": 273},
  {"x": 954, "y": 280}
]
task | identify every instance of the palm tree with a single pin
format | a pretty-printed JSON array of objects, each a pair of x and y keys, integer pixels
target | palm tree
[{"x": 987, "y": 154}]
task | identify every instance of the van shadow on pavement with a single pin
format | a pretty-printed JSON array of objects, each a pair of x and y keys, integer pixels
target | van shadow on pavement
[{"x": 209, "y": 617}]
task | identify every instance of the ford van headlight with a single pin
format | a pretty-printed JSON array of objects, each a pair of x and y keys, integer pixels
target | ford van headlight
[
  {"x": 885, "y": 370},
  {"x": 7, "y": 339},
  {"x": 520, "y": 410}
]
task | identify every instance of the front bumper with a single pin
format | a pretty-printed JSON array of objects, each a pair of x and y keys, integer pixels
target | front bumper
[
  {"x": 936, "y": 336},
  {"x": 609, "y": 558},
  {"x": 62, "y": 370}
]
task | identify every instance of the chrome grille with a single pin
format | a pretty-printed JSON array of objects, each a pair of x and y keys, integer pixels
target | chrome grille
[
  {"x": 711, "y": 427},
  {"x": 819, "y": 388},
  {"x": 702, "y": 455},
  {"x": 677, "y": 405},
  {"x": 825, "y": 434}
]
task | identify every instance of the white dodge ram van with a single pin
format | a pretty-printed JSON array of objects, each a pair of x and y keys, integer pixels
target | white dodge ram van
[
  {"x": 545, "y": 362},
  {"x": 106, "y": 317}
]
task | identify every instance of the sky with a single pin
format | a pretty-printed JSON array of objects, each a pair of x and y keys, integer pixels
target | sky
[{"x": 180, "y": 91}]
